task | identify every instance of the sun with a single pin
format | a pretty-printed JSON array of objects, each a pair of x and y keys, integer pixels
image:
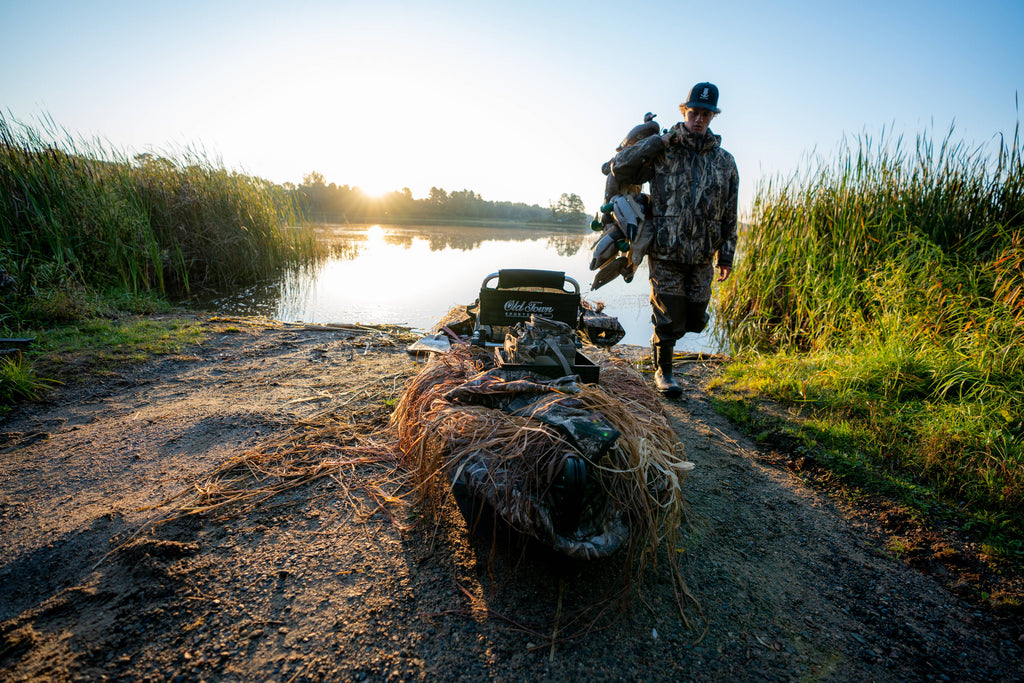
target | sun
[{"x": 375, "y": 190}]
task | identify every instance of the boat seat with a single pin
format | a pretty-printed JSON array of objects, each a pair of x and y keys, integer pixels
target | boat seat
[{"x": 519, "y": 294}]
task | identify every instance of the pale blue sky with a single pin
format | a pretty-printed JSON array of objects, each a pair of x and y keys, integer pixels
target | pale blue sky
[{"x": 519, "y": 101}]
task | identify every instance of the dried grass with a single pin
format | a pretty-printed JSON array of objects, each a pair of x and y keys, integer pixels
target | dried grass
[
  {"x": 325, "y": 444},
  {"x": 641, "y": 476},
  {"x": 296, "y": 458}
]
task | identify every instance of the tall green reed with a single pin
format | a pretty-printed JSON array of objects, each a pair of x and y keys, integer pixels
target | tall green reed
[
  {"x": 822, "y": 239},
  {"x": 91, "y": 215},
  {"x": 900, "y": 271}
]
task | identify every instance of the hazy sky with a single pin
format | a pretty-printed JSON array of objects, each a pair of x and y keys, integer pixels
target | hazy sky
[{"x": 519, "y": 101}]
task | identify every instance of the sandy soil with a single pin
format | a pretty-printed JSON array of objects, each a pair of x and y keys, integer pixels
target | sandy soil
[{"x": 325, "y": 582}]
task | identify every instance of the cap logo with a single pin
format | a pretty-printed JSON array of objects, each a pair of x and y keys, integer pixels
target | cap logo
[{"x": 704, "y": 95}]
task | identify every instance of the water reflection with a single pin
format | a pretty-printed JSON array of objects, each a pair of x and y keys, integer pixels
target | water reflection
[{"x": 412, "y": 275}]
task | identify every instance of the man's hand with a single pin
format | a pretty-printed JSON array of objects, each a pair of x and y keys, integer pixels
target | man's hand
[{"x": 724, "y": 272}]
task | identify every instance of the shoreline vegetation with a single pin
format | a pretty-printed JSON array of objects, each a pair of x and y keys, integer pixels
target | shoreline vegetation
[
  {"x": 88, "y": 233},
  {"x": 879, "y": 298}
]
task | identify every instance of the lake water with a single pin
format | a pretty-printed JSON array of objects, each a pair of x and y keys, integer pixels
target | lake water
[{"x": 413, "y": 275}]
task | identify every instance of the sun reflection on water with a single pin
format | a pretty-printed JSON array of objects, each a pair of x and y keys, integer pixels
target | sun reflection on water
[{"x": 412, "y": 275}]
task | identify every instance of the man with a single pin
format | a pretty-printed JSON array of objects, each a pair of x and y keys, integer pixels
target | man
[{"x": 694, "y": 188}]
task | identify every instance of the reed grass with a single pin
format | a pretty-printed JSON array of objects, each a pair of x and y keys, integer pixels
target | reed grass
[
  {"x": 884, "y": 290},
  {"x": 81, "y": 212}
]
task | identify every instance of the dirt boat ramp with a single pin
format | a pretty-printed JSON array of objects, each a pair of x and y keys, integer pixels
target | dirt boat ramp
[{"x": 300, "y": 561}]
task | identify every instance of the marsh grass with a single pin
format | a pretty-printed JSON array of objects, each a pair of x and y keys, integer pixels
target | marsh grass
[
  {"x": 885, "y": 293},
  {"x": 82, "y": 213},
  {"x": 90, "y": 237}
]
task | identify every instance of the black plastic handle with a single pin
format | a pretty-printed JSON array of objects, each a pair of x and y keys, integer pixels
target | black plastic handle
[{"x": 515, "y": 277}]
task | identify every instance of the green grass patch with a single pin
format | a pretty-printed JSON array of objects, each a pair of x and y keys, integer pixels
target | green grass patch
[
  {"x": 18, "y": 382},
  {"x": 102, "y": 345},
  {"x": 944, "y": 460},
  {"x": 90, "y": 334}
]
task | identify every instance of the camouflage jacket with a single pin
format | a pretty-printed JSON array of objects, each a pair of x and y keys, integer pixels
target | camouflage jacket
[{"x": 694, "y": 194}]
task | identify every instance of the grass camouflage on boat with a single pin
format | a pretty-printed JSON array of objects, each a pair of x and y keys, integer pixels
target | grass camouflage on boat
[{"x": 517, "y": 442}]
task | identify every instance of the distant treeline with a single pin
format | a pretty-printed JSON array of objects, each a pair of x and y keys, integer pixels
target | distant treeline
[{"x": 322, "y": 201}]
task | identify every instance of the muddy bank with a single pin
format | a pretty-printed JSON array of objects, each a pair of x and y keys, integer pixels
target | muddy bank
[{"x": 325, "y": 581}]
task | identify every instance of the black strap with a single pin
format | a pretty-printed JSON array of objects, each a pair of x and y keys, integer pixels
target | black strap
[{"x": 559, "y": 354}]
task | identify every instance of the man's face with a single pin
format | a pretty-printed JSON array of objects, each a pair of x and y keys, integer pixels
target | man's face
[{"x": 698, "y": 119}]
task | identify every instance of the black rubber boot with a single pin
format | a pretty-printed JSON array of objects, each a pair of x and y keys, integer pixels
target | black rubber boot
[{"x": 663, "y": 380}]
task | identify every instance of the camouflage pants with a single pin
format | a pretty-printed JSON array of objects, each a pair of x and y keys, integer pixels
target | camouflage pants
[{"x": 679, "y": 298}]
